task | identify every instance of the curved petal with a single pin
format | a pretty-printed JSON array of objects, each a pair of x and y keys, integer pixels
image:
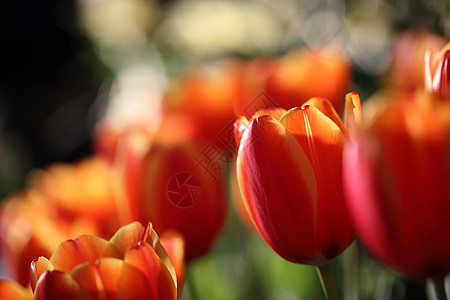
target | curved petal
[
  {"x": 12, "y": 290},
  {"x": 57, "y": 285},
  {"x": 352, "y": 113},
  {"x": 133, "y": 284},
  {"x": 326, "y": 108},
  {"x": 276, "y": 112},
  {"x": 128, "y": 236},
  {"x": 322, "y": 141},
  {"x": 278, "y": 187},
  {"x": 144, "y": 257},
  {"x": 240, "y": 124},
  {"x": 37, "y": 267},
  {"x": 85, "y": 248},
  {"x": 174, "y": 244}
]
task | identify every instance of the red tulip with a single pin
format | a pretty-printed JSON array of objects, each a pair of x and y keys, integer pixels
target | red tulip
[
  {"x": 289, "y": 175},
  {"x": 397, "y": 176},
  {"x": 437, "y": 72},
  {"x": 165, "y": 184},
  {"x": 131, "y": 265}
]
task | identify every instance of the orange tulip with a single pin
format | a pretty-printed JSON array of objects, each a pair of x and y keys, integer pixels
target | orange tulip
[
  {"x": 437, "y": 72},
  {"x": 82, "y": 189},
  {"x": 290, "y": 80},
  {"x": 165, "y": 184},
  {"x": 397, "y": 176},
  {"x": 131, "y": 265},
  {"x": 289, "y": 174},
  {"x": 12, "y": 290},
  {"x": 30, "y": 227}
]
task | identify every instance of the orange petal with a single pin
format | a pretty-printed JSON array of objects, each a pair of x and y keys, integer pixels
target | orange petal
[
  {"x": 128, "y": 236},
  {"x": 144, "y": 257},
  {"x": 278, "y": 188},
  {"x": 37, "y": 267},
  {"x": 240, "y": 125},
  {"x": 173, "y": 243},
  {"x": 352, "y": 113},
  {"x": 323, "y": 140},
  {"x": 133, "y": 284},
  {"x": 151, "y": 237},
  {"x": 57, "y": 285},
  {"x": 85, "y": 248},
  {"x": 326, "y": 108},
  {"x": 276, "y": 112},
  {"x": 100, "y": 279},
  {"x": 12, "y": 290}
]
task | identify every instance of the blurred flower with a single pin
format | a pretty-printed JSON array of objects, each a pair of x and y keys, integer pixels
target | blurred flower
[
  {"x": 293, "y": 191},
  {"x": 396, "y": 176},
  {"x": 292, "y": 79},
  {"x": 12, "y": 290},
  {"x": 84, "y": 189},
  {"x": 437, "y": 72},
  {"x": 206, "y": 96},
  {"x": 131, "y": 265},
  {"x": 165, "y": 184},
  {"x": 174, "y": 244},
  {"x": 408, "y": 51},
  {"x": 29, "y": 227}
]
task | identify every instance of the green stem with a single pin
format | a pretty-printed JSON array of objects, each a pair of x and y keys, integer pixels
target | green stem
[
  {"x": 437, "y": 288},
  {"x": 326, "y": 279}
]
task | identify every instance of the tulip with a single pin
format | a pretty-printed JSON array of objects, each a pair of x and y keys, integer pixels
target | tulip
[
  {"x": 82, "y": 189},
  {"x": 12, "y": 290},
  {"x": 166, "y": 184},
  {"x": 293, "y": 191},
  {"x": 397, "y": 176},
  {"x": 30, "y": 227},
  {"x": 290, "y": 80},
  {"x": 437, "y": 72},
  {"x": 131, "y": 265}
]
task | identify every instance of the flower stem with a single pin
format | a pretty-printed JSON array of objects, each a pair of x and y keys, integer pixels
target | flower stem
[
  {"x": 437, "y": 288},
  {"x": 326, "y": 279}
]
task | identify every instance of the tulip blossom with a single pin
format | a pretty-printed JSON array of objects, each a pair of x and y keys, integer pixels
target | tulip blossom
[
  {"x": 83, "y": 189},
  {"x": 397, "y": 176},
  {"x": 164, "y": 184},
  {"x": 131, "y": 265},
  {"x": 292, "y": 79},
  {"x": 30, "y": 227},
  {"x": 437, "y": 72},
  {"x": 289, "y": 174}
]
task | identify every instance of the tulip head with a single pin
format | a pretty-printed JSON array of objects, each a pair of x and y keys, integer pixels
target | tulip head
[
  {"x": 166, "y": 184},
  {"x": 396, "y": 176},
  {"x": 131, "y": 265},
  {"x": 289, "y": 175},
  {"x": 12, "y": 290},
  {"x": 437, "y": 72}
]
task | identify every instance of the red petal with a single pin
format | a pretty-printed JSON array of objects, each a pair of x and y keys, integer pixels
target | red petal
[
  {"x": 278, "y": 188},
  {"x": 144, "y": 257},
  {"x": 57, "y": 285},
  {"x": 37, "y": 267},
  {"x": 323, "y": 140},
  {"x": 85, "y": 248}
]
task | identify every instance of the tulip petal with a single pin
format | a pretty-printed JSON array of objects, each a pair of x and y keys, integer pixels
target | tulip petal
[
  {"x": 128, "y": 236},
  {"x": 101, "y": 279},
  {"x": 85, "y": 248},
  {"x": 240, "y": 125},
  {"x": 174, "y": 244},
  {"x": 278, "y": 188},
  {"x": 326, "y": 108},
  {"x": 144, "y": 257},
  {"x": 57, "y": 285},
  {"x": 37, "y": 267},
  {"x": 322, "y": 141},
  {"x": 12, "y": 290},
  {"x": 276, "y": 112},
  {"x": 352, "y": 113},
  {"x": 133, "y": 284}
]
